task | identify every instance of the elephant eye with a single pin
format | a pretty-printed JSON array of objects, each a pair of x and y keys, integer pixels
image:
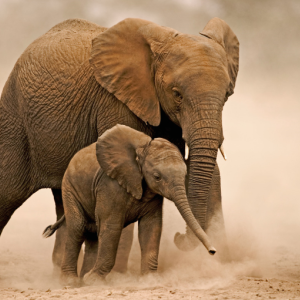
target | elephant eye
[
  {"x": 157, "y": 177},
  {"x": 177, "y": 94}
]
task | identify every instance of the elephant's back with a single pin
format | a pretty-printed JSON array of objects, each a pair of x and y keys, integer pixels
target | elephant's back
[
  {"x": 72, "y": 34},
  {"x": 76, "y": 24},
  {"x": 59, "y": 52},
  {"x": 53, "y": 60}
]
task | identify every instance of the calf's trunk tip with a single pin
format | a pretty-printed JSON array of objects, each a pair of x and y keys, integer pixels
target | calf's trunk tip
[
  {"x": 183, "y": 206},
  {"x": 185, "y": 244}
]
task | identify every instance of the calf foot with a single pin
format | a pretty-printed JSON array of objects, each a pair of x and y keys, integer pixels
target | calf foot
[{"x": 92, "y": 278}]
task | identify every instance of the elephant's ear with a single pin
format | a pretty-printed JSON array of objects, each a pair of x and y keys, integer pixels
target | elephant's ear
[
  {"x": 219, "y": 31},
  {"x": 116, "y": 154},
  {"x": 122, "y": 58}
]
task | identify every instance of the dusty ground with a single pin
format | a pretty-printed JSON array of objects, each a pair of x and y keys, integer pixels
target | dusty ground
[
  {"x": 242, "y": 288},
  {"x": 258, "y": 271},
  {"x": 130, "y": 286}
]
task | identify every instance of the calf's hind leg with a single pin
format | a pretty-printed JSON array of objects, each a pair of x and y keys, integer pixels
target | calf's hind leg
[
  {"x": 60, "y": 233},
  {"x": 75, "y": 223},
  {"x": 60, "y": 236}
]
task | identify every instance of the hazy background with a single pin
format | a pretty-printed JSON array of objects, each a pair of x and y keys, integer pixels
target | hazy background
[{"x": 261, "y": 123}]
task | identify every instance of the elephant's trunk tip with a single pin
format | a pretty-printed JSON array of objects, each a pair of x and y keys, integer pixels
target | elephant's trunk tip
[{"x": 183, "y": 243}]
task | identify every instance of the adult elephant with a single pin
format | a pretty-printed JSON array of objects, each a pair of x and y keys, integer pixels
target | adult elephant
[{"x": 80, "y": 79}]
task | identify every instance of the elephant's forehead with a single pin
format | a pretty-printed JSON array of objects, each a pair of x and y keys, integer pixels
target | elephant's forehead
[
  {"x": 189, "y": 48},
  {"x": 198, "y": 62}
]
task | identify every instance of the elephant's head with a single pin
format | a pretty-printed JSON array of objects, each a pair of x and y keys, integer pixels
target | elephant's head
[
  {"x": 129, "y": 156},
  {"x": 150, "y": 67}
]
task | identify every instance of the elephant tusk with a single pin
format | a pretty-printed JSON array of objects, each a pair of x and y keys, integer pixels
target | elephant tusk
[
  {"x": 223, "y": 152},
  {"x": 186, "y": 151}
]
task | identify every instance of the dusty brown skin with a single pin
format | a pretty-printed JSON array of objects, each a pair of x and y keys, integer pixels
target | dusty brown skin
[
  {"x": 80, "y": 79},
  {"x": 125, "y": 185}
]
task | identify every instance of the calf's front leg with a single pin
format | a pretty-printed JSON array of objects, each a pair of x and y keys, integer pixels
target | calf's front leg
[
  {"x": 124, "y": 249},
  {"x": 108, "y": 241},
  {"x": 150, "y": 227}
]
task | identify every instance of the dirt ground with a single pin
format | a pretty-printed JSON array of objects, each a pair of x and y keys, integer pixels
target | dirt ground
[
  {"x": 261, "y": 268},
  {"x": 241, "y": 288},
  {"x": 231, "y": 281}
]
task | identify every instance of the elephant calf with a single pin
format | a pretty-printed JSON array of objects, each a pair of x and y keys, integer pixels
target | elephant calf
[{"x": 134, "y": 175}]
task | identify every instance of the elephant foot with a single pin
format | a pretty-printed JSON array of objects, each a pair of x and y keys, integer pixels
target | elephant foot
[
  {"x": 120, "y": 267},
  {"x": 150, "y": 276},
  {"x": 224, "y": 254},
  {"x": 70, "y": 280},
  {"x": 92, "y": 278},
  {"x": 56, "y": 272}
]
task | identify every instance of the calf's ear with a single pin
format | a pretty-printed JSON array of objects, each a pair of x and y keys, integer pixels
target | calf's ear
[{"x": 116, "y": 154}]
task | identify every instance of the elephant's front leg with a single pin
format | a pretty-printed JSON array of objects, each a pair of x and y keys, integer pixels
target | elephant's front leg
[
  {"x": 214, "y": 223},
  {"x": 150, "y": 227},
  {"x": 215, "y": 219}
]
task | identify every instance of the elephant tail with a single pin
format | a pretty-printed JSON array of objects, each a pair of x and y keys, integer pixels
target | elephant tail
[{"x": 52, "y": 228}]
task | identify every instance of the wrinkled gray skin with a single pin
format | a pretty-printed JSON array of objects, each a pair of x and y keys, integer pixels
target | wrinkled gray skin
[
  {"x": 80, "y": 79},
  {"x": 125, "y": 185}
]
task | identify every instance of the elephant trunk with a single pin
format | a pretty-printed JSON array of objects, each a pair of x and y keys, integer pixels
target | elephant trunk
[
  {"x": 203, "y": 144},
  {"x": 183, "y": 206}
]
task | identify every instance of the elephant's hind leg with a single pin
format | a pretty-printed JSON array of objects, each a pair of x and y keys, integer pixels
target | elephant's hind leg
[
  {"x": 16, "y": 174},
  {"x": 9, "y": 203},
  {"x": 215, "y": 221}
]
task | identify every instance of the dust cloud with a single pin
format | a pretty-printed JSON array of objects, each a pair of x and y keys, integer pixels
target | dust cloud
[{"x": 260, "y": 188}]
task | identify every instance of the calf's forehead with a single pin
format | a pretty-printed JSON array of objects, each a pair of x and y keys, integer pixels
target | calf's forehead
[{"x": 161, "y": 149}]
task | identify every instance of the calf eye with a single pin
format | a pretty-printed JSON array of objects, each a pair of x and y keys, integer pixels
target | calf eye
[{"x": 157, "y": 177}]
